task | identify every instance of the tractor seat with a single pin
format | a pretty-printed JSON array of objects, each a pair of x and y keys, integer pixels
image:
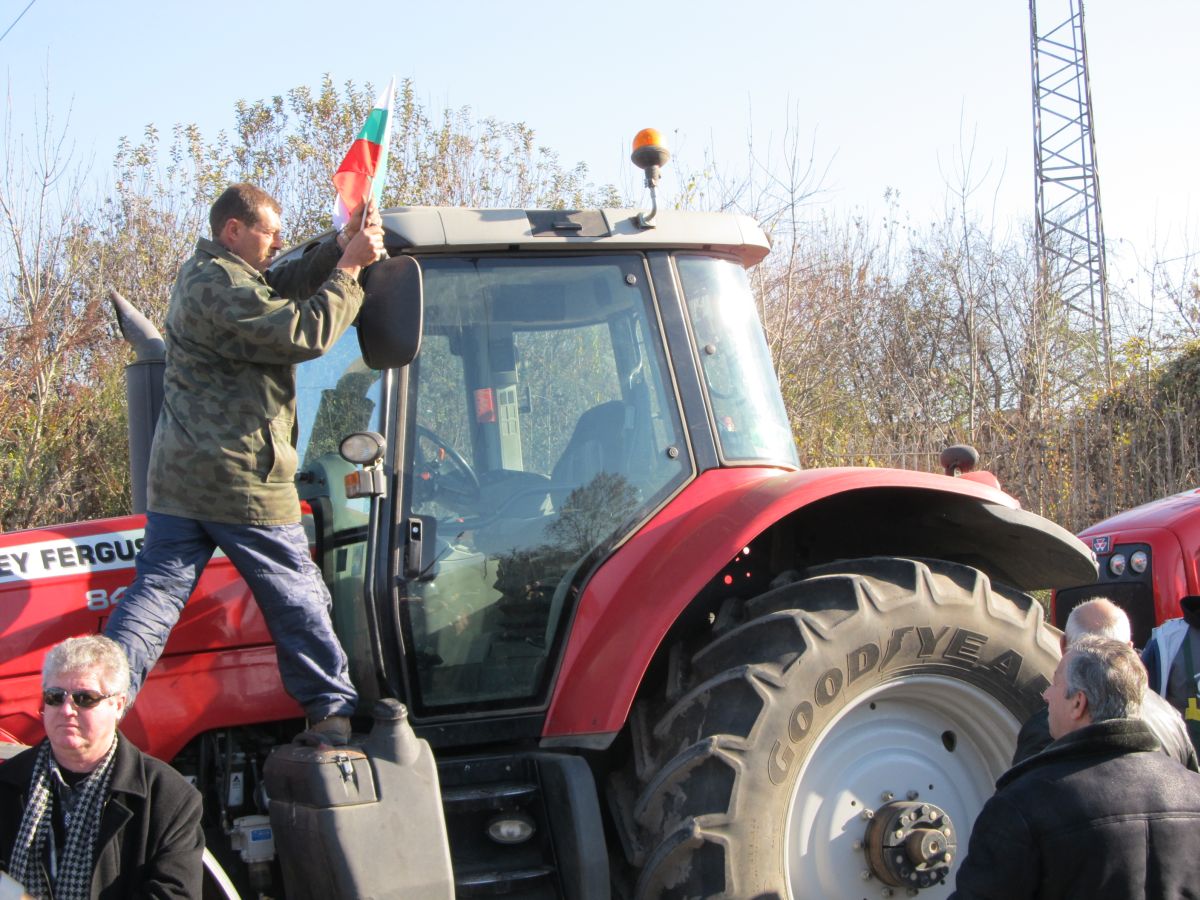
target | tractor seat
[{"x": 599, "y": 443}]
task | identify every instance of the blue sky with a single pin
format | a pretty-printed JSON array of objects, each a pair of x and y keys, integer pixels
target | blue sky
[{"x": 888, "y": 93}]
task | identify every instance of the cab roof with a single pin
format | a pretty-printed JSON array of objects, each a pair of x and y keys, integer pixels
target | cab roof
[{"x": 430, "y": 229}]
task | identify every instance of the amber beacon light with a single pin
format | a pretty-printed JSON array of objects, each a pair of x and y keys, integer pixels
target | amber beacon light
[{"x": 650, "y": 154}]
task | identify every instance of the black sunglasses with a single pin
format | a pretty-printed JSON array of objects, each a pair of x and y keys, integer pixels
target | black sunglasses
[{"x": 81, "y": 699}]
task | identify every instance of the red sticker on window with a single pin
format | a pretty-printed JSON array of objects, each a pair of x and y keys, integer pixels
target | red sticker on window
[{"x": 485, "y": 405}]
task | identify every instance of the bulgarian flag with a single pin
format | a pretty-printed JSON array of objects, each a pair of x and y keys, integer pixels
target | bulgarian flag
[{"x": 364, "y": 169}]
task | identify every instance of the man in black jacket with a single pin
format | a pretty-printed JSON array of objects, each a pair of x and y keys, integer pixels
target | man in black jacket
[
  {"x": 85, "y": 813},
  {"x": 1100, "y": 812},
  {"x": 1103, "y": 618}
]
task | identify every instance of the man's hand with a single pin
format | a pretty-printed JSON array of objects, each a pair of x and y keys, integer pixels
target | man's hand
[
  {"x": 355, "y": 223},
  {"x": 364, "y": 248}
]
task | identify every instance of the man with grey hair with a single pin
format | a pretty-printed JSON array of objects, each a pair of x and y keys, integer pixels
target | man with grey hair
[
  {"x": 85, "y": 813},
  {"x": 1100, "y": 617},
  {"x": 1100, "y": 812}
]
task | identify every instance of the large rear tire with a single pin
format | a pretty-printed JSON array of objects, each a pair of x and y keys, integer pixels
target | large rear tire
[{"x": 869, "y": 691}]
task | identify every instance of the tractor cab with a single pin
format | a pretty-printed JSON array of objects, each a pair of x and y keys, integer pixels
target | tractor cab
[{"x": 558, "y": 399}]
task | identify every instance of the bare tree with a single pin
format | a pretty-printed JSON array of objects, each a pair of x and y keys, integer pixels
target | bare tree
[{"x": 53, "y": 330}]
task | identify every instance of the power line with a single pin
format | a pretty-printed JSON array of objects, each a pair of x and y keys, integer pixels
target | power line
[{"x": 16, "y": 20}]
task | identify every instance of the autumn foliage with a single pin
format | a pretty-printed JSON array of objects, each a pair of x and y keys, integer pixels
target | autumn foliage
[{"x": 890, "y": 341}]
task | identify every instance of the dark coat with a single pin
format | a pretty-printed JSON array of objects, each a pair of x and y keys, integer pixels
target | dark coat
[
  {"x": 150, "y": 842},
  {"x": 1164, "y": 720},
  {"x": 1099, "y": 813}
]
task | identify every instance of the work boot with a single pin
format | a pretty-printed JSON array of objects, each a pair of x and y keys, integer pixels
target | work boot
[{"x": 332, "y": 731}]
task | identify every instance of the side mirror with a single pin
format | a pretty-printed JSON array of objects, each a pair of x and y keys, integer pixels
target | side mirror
[{"x": 389, "y": 323}]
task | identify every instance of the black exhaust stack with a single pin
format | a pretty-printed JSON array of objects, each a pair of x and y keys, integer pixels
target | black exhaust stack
[{"x": 143, "y": 391}]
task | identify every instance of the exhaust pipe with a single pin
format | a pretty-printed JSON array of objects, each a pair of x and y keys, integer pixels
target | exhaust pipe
[{"x": 143, "y": 391}]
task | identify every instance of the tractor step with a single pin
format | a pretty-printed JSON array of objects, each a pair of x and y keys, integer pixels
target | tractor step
[
  {"x": 505, "y": 882},
  {"x": 524, "y": 825}
]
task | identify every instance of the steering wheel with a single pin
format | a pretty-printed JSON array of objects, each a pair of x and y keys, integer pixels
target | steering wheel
[{"x": 461, "y": 484}]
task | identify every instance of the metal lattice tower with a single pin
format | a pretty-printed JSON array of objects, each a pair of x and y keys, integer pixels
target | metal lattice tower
[{"x": 1066, "y": 184}]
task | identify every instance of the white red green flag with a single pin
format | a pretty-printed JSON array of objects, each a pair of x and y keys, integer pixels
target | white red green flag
[{"x": 364, "y": 169}]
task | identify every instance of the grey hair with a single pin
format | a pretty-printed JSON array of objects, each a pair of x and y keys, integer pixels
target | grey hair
[
  {"x": 91, "y": 652},
  {"x": 1110, "y": 675},
  {"x": 1104, "y": 617}
]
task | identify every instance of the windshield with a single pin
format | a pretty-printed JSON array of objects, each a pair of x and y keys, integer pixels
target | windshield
[
  {"x": 545, "y": 429},
  {"x": 748, "y": 413}
]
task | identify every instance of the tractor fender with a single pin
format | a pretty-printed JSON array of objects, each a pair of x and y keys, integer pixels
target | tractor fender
[{"x": 632, "y": 600}]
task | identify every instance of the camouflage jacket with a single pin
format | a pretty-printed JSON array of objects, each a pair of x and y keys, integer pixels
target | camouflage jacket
[{"x": 224, "y": 446}]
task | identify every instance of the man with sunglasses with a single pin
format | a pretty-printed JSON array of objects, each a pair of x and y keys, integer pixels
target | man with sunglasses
[
  {"x": 85, "y": 813},
  {"x": 223, "y": 461}
]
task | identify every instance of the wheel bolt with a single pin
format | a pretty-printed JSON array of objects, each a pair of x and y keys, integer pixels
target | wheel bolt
[
  {"x": 868, "y": 813},
  {"x": 866, "y": 874},
  {"x": 887, "y": 796},
  {"x": 913, "y": 795}
]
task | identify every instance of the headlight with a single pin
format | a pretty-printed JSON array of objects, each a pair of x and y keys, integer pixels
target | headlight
[
  {"x": 1116, "y": 564},
  {"x": 1139, "y": 561},
  {"x": 364, "y": 448}
]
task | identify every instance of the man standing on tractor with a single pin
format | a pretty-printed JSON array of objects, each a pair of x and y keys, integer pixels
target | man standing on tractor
[{"x": 223, "y": 462}]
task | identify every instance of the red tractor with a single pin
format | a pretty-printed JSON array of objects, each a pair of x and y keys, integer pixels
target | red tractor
[
  {"x": 652, "y": 657},
  {"x": 1149, "y": 560}
]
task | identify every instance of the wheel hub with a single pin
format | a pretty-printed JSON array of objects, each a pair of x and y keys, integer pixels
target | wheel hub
[{"x": 910, "y": 844}]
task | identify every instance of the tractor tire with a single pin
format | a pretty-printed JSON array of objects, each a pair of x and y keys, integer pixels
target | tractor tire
[{"x": 874, "y": 693}]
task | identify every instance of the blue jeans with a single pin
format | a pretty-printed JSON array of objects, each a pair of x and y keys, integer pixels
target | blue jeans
[{"x": 274, "y": 560}]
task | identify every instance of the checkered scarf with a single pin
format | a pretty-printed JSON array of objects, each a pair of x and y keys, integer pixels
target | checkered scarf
[{"x": 75, "y": 862}]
